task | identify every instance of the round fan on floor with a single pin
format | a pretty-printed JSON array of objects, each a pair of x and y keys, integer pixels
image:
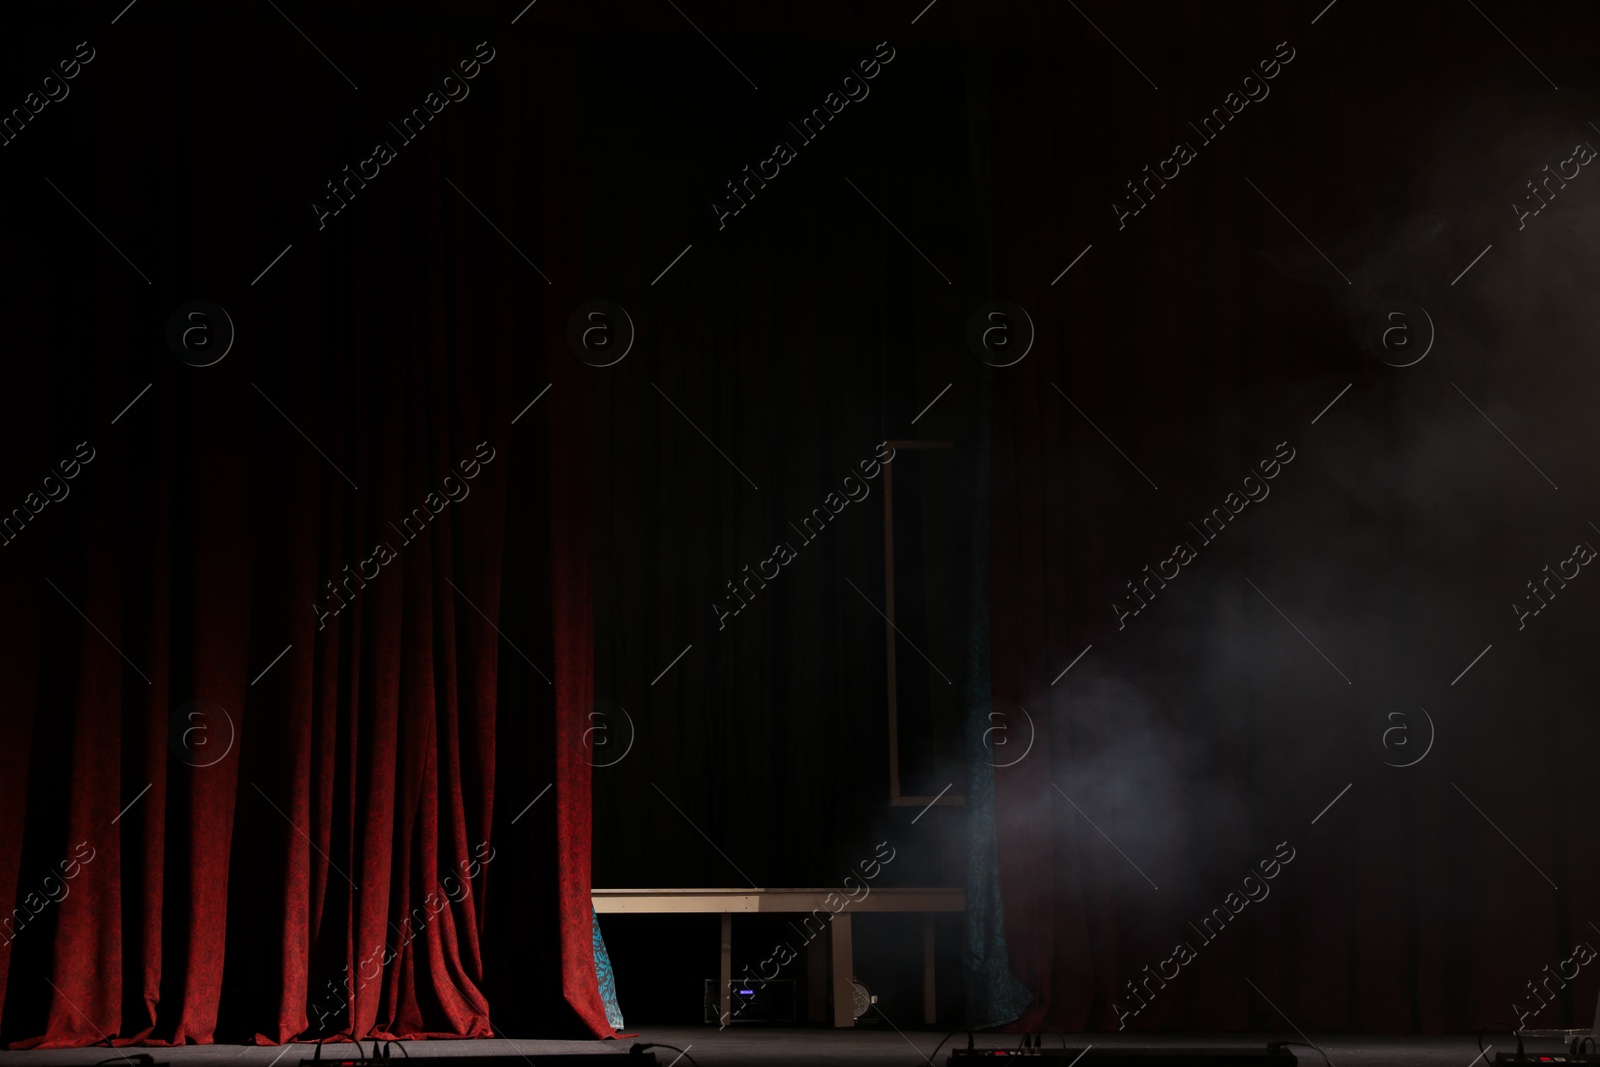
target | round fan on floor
[{"x": 862, "y": 997}]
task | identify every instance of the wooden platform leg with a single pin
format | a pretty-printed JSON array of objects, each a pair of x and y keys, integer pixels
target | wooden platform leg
[
  {"x": 817, "y": 980},
  {"x": 929, "y": 990},
  {"x": 844, "y": 996},
  {"x": 725, "y": 970}
]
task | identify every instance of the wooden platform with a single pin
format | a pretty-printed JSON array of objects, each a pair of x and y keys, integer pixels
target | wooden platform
[{"x": 838, "y": 969}]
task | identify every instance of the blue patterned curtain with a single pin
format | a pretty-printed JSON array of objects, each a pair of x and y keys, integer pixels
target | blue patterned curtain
[{"x": 608, "y": 981}]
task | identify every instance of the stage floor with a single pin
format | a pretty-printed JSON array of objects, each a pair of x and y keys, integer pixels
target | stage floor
[{"x": 750, "y": 1047}]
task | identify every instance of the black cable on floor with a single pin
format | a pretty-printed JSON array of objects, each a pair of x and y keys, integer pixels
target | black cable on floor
[
  {"x": 1484, "y": 1053},
  {"x": 947, "y": 1037},
  {"x": 1059, "y": 1034},
  {"x": 1302, "y": 1044},
  {"x": 642, "y": 1046}
]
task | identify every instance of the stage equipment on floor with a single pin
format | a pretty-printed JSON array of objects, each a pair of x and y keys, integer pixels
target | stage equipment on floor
[
  {"x": 766, "y": 1002},
  {"x": 862, "y": 999},
  {"x": 1087, "y": 1055}
]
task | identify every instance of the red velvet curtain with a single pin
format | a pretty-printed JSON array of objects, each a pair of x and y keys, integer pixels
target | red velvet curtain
[{"x": 290, "y": 669}]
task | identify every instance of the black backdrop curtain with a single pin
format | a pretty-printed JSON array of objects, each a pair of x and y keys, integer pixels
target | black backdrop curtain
[
  {"x": 796, "y": 339},
  {"x": 264, "y": 779},
  {"x": 1198, "y": 339},
  {"x": 1320, "y": 640}
]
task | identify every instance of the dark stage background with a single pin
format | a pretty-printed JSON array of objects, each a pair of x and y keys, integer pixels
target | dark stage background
[{"x": 1355, "y": 619}]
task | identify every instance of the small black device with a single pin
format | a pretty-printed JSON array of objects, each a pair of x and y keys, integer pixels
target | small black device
[{"x": 752, "y": 1002}]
